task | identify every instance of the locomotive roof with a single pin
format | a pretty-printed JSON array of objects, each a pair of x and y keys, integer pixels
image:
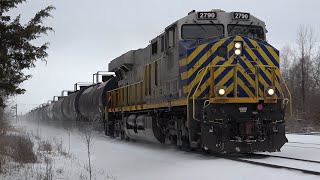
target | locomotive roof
[{"x": 194, "y": 17}]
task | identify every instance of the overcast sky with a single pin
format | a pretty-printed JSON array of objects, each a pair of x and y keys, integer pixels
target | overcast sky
[{"x": 90, "y": 33}]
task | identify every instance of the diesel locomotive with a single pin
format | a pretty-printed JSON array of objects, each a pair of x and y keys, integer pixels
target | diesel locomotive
[{"x": 210, "y": 80}]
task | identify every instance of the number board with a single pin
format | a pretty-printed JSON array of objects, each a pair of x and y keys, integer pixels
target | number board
[
  {"x": 207, "y": 15},
  {"x": 241, "y": 16}
]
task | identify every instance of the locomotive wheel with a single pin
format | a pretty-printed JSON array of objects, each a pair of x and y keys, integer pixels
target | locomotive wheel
[
  {"x": 122, "y": 135},
  {"x": 206, "y": 151}
]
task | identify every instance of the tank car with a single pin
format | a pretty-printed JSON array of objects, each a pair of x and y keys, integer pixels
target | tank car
[
  {"x": 92, "y": 100},
  {"x": 57, "y": 113},
  {"x": 210, "y": 80},
  {"x": 69, "y": 107}
]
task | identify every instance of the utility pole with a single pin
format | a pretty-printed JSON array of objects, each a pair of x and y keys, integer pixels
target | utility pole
[
  {"x": 15, "y": 108},
  {"x": 16, "y": 113}
]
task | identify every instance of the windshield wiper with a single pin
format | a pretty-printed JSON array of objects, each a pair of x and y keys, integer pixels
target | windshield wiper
[
  {"x": 233, "y": 27},
  {"x": 200, "y": 25},
  {"x": 198, "y": 40},
  {"x": 246, "y": 28}
]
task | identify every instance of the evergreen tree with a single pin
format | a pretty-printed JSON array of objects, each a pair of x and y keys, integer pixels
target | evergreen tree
[{"x": 17, "y": 52}]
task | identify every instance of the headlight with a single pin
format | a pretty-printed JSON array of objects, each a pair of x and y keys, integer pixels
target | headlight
[
  {"x": 221, "y": 92},
  {"x": 237, "y": 52},
  {"x": 238, "y": 45},
  {"x": 270, "y": 91},
  {"x": 238, "y": 48}
]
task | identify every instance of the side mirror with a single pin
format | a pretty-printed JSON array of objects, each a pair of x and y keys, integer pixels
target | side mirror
[{"x": 223, "y": 52}]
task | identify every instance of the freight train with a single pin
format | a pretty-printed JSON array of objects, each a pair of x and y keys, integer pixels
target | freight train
[{"x": 209, "y": 81}]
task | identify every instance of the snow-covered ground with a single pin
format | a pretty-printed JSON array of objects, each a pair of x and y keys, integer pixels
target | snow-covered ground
[{"x": 144, "y": 161}]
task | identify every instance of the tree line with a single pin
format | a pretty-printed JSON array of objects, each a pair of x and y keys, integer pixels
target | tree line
[{"x": 300, "y": 66}]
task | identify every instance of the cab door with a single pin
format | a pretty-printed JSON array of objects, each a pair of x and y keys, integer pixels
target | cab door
[{"x": 169, "y": 66}]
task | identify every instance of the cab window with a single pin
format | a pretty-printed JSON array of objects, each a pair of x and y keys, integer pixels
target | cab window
[
  {"x": 171, "y": 34},
  {"x": 162, "y": 43},
  {"x": 154, "y": 48},
  {"x": 254, "y": 32},
  {"x": 201, "y": 31}
]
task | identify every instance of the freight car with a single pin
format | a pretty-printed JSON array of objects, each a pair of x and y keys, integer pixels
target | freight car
[{"x": 210, "y": 80}]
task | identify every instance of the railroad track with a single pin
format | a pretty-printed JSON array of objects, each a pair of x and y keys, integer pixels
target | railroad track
[
  {"x": 291, "y": 158},
  {"x": 296, "y": 142},
  {"x": 256, "y": 159},
  {"x": 303, "y": 145},
  {"x": 314, "y": 133}
]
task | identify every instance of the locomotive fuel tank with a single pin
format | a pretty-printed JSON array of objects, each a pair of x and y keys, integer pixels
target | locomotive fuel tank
[
  {"x": 143, "y": 128},
  {"x": 140, "y": 121},
  {"x": 131, "y": 121},
  {"x": 93, "y": 100}
]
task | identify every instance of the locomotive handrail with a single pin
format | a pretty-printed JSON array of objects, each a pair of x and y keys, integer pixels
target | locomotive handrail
[
  {"x": 285, "y": 84},
  {"x": 189, "y": 97},
  {"x": 290, "y": 97},
  {"x": 194, "y": 93},
  {"x": 124, "y": 97},
  {"x": 289, "y": 93}
]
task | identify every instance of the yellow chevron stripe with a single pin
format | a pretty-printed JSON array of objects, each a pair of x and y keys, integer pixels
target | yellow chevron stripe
[
  {"x": 216, "y": 73},
  {"x": 225, "y": 78},
  {"x": 266, "y": 72},
  {"x": 262, "y": 53},
  {"x": 187, "y": 74},
  {"x": 245, "y": 88},
  {"x": 273, "y": 53},
  {"x": 251, "y": 81},
  {"x": 195, "y": 53},
  {"x": 246, "y": 75},
  {"x": 201, "y": 89},
  {"x": 220, "y": 83},
  {"x": 194, "y": 82},
  {"x": 229, "y": 75},
  {"x": 183, "y": 62},
  {"x": 230, "y": 88}
]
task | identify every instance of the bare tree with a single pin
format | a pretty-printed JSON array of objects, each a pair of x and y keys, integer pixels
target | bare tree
[
  {"x": 87, "y": 138},
  {"x": 316, "y": 73},
  {"x": 306, "y": 43},
  {"x": 286, "y": 61}
]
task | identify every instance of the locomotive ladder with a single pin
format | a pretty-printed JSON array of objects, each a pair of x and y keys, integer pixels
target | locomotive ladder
[{"x": 213, "y": 99}]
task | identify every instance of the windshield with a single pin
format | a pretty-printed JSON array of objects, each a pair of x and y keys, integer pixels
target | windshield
[
  {"x": 201, "y": 31},
  {"x": 254, "y": 32}
]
